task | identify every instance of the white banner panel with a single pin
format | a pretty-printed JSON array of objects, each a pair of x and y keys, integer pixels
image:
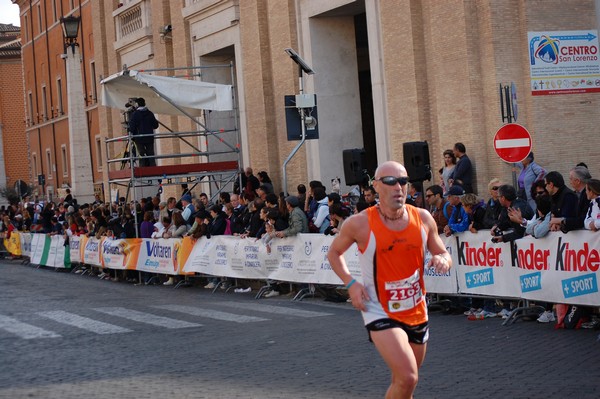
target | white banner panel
[{"x": 159, "y": 256}]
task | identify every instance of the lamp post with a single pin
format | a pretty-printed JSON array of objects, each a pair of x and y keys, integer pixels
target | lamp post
[{"x": 79, "y": 146}]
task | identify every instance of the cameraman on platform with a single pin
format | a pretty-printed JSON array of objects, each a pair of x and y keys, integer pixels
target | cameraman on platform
[
  {"x": 143, "y": 122},
  {"x": 506, "y": 230}
]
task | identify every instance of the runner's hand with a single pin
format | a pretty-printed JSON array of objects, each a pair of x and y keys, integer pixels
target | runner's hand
[
  {"x": 440, "y": 263},
  {"x": 358, "y": 294}
]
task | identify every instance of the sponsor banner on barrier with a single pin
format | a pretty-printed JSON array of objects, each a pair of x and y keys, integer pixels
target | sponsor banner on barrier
[
  {"x": 76, "y": 245},
  {"x": 561, "y": 268},
  {"x": 38, "y": 248},
  {"x": 446, "y": 283},
  {"x": 91, "y": 251},
  {"x": 120, "y": 253},
  {"x": 159, "y": 256},
  {"x": 484, "y": 267},
  {"x": 13, "y": 244},
  {"x": 25, "y": 239}
]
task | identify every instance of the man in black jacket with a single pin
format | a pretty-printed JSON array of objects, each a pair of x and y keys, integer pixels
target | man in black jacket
[
  {"x": 564, "y": 200},
  {"x": 506, "y": 230},
  {"x": 143, "y": 122}
]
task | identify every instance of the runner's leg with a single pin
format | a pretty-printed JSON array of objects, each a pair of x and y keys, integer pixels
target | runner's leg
[{"x": 402, "y": 359}]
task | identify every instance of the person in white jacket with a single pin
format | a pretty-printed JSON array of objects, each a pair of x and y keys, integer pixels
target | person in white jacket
[{"x": 592, "y": 219}]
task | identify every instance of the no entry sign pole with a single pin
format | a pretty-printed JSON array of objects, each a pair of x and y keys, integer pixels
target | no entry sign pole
[{"x": 512, "y": 143}]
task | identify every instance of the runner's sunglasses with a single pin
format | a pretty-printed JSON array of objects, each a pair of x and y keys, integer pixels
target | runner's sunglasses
[{"x": 391, "y": 180}]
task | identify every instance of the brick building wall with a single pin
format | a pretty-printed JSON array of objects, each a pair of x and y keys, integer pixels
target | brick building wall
[{"x": 12, "y": 121}]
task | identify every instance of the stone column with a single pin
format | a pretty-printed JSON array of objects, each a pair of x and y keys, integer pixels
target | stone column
[{"x": 82, "y": 177}]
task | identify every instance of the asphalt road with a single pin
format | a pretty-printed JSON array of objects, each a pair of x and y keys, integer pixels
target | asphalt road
[{"x": 64, "y": 336}]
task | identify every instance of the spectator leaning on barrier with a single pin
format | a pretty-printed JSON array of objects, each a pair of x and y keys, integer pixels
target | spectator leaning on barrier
[
  {"x": 578, "y": 176},
  {"x": 298, "y": 223},
  {"x": 188, "y": 209},
  {"x": 592, "y": 220},
  {"x": 475, "y": 210},
  {"x": 564, "y": 200},
  {"x": 506, "y": 230},
  {"x": 493, "y": 207},
  {"x": 459, "y": 220}
]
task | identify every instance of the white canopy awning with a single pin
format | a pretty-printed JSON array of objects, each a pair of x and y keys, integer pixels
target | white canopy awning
[{"x": 192, "y": 96}]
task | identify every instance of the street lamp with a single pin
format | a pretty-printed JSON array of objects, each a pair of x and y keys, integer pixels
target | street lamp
[{"x": 70, "y": 27}]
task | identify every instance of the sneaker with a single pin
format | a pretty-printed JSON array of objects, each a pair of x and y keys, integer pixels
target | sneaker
[
  {"x": 594, "y": 324},
  {"x": 475, "y": 316},
  {"x": 169, "y": 281},
  {"x": 210, "y": 286},
  {"x": 238, "y": 290},
  {"x": 504, "y": 313},
  {"x": 101, "y": 275},
  {"x": 271, "y": 294},
  {"x": 472, "y": 311},
  {"x": 245, "y": 290},
  {"x": 487, "y": 315},
  {"x": 546, "y": 317}
]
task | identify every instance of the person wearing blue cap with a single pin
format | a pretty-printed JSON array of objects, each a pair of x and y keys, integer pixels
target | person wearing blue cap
[{"x": 459, "y": 219}]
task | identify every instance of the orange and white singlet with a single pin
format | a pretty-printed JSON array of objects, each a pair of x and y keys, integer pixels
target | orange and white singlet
[{"x": 392, "y": 270}]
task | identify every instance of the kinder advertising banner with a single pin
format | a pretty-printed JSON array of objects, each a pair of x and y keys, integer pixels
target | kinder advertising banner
[
  {"x": 120, "y": 253},
  {"x": 484, "y": 267},
  {"x": 564, "y": 62},
  {"x": 560, "y": 268},
  {"x": 159, "y": 256}
]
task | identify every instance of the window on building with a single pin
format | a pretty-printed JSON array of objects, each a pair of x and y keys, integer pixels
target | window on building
[
  {"x": 30, "y": 101},
  {"x": 49, "y": 164},
  {"x": 72, "y": 4},
  {"x": 44, "y": 104},
  {"x": 39, "y": 11},
  {"x": 93, "y": 77},
  {"x": 59, "y": 99},
  {"x": 26, "y": 23},
  {"x": 99, "y": 162},
  {"x": 65, "y": 160}
]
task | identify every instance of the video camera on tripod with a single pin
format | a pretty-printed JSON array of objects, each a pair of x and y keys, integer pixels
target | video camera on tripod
[{"x": 130, "y": 106}]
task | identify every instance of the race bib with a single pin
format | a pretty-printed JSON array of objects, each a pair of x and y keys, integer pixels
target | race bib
[{"x": 403, "y": 294}]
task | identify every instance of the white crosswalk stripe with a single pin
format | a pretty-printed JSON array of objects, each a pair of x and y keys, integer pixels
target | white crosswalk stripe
[
  {"x": 259, "y": 307},
  {"x": 84, "y": 323},
  {"x": 211, "y": 314},
  {"x": 24, "y": 330},
  {"x": 147, "y": 318}
]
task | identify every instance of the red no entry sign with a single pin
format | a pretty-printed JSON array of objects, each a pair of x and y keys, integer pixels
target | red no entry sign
[{"x": 512, "y": 142}]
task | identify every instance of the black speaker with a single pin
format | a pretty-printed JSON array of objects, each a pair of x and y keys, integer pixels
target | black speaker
[
  {"x": 416, "y": 160},
  {"x": 355, "y": 165}
]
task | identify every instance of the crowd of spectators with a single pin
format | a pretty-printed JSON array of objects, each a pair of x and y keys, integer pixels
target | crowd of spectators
[{"x": 541, "y": 203}]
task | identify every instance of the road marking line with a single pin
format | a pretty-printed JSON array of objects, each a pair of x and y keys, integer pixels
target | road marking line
[
  {"x": 258, "y": 307},
  {"x": 147, "y": 318},
  {"x": 211, "y": 314},
  {"x": 84, "y": 323},
  {"x": 24, "y": 330}
]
